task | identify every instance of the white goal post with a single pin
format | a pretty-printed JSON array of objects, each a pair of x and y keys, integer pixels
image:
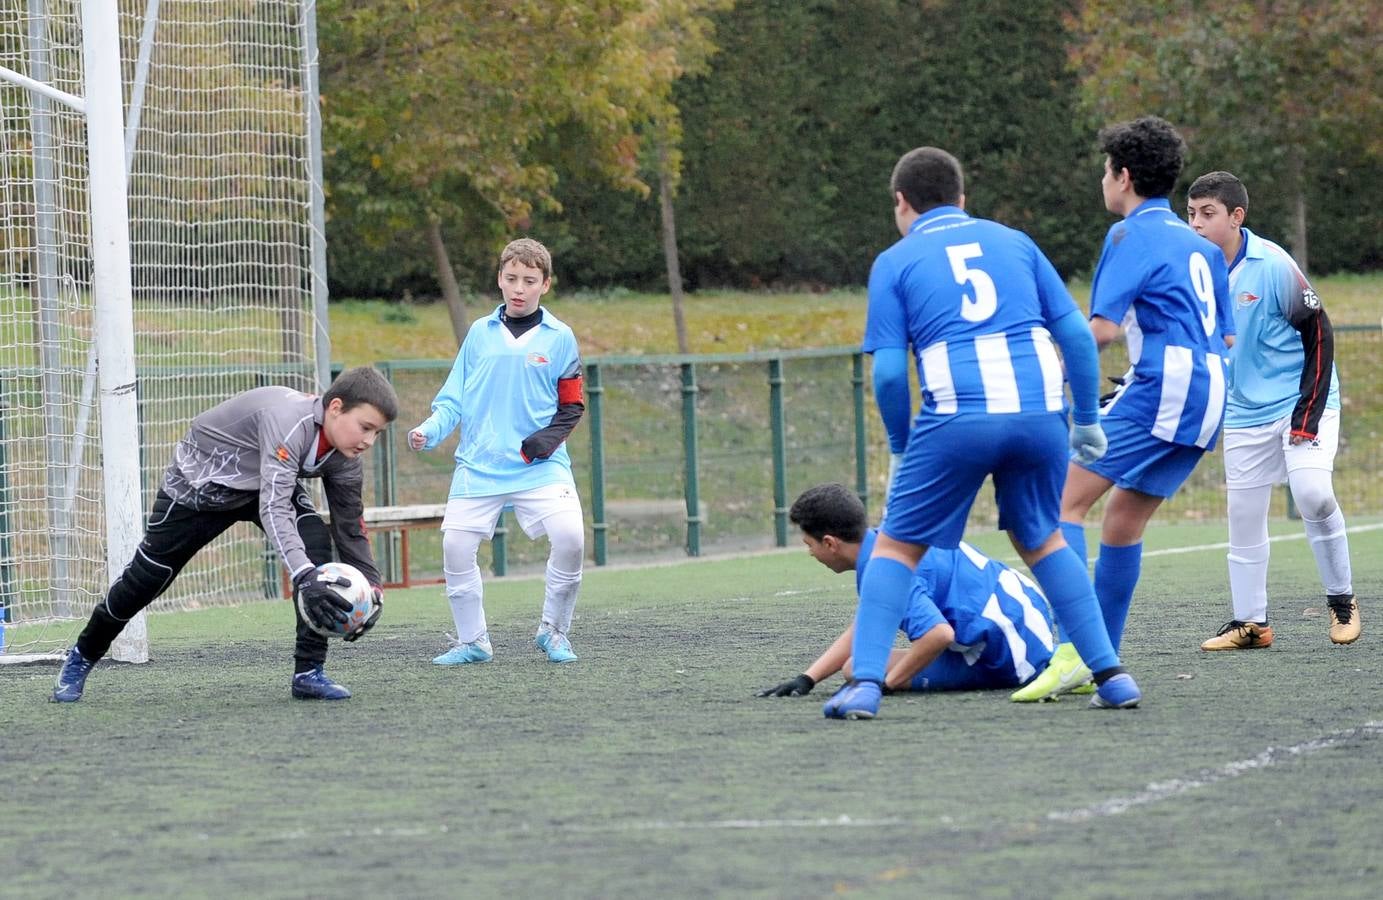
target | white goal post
[{"x": 161, "y": 248}]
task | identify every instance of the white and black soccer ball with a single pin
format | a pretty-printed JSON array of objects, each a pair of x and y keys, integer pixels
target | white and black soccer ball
[{"x": 358, "y": 594}]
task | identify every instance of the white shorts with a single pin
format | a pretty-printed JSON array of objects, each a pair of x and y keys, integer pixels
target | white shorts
[
  {"x": 530, "y": 508},
  {"x": 1264, "y": 454}
]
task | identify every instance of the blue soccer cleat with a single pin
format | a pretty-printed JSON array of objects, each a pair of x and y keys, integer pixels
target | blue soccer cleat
[
  {"x": 1119, "y": 692},
  {"x": 315, "y": 685},
  {"x": 856, "y": 700},
  {"x": 476, "y": 651},
  {"x": 72, "y": 677},
  {"x": 558, "y": 648}
]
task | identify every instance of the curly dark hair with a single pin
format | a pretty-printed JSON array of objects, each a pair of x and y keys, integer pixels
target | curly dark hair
[
  {"x": 829, "y": 509},
  {"x": 1152, "y": 151}
]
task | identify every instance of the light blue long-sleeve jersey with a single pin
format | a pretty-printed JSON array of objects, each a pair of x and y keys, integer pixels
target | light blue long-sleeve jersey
[
  {"x": 502, "y": 389},
  {"x": 1273, "y": 305}
]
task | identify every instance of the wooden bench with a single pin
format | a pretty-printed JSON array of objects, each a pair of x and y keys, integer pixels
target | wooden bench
[
  {"x": 403, "y": 519},
  {"x": 387, "y": 519}
]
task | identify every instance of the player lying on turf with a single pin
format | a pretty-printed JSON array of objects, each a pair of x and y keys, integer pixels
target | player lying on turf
[
  {"x": 972, "y": 621},
  {"x": 244, "y": 461}
]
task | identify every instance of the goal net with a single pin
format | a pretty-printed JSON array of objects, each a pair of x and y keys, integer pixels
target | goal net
[{"x": 218, "y": 142}]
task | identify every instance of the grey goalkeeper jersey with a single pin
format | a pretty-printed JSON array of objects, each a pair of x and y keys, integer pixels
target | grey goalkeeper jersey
[{"x": 255, "y": 447}]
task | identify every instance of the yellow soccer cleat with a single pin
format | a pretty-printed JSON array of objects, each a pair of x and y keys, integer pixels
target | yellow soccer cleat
[
  {"x": 1236, "y": 635},
  {"x": 1344, "y": 619},
  {"x": 1063, "y": 675}
]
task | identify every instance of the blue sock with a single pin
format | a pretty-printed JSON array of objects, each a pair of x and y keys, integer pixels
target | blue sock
[
  {"x": 1116, "y": 575},
  {"x": 1067, "y": 586},
  {"x": 1074, "y": 532},
  {"x": 883, "y": 600}
]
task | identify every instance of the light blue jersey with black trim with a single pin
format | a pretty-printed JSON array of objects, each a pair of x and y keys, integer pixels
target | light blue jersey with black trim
[
  {"x": 1271, "y": 297},
  {"x": 1167, "y": 286},
  {"x": 502, "y": 389},
  {"x": 972, "y": 298},
  {"x": 1002, "y": 621}
]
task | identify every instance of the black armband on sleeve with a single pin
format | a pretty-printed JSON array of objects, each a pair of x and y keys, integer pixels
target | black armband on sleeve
[{"x": 1318, "y": 343}]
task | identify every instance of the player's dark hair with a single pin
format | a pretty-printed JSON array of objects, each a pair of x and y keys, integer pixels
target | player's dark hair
[
  {"x": 1152, "y": 151},
  {"x": 928, "y": 177},
  {"x": 364, "y": 384},
  {"x": 1221, "y": 186},
  {"x": 829, "y": 509}
]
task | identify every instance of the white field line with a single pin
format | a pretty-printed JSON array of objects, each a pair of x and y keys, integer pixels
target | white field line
[
  {"x": 1158, "y": 791},
  {"x": 1299, "y": 536},
  {"x": 1012, "y": 559},
  {"x": 841, "y": 821}
]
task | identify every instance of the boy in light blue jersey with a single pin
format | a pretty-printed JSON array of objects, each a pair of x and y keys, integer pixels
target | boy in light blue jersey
[
  {"x": 515, "y": 393},
  {"x": 981, "y": 308},
  {"x": 1282, "y": 421},
  {"x": 1165, "y": 288},
  {"x": 972, "y": 622}
]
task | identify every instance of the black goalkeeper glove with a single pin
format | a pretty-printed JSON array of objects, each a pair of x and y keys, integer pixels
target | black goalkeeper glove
[
  {"x": 800, "y": 686},
  {"x": 322, "y": 606},
  {"x": 1106, "y": 398},
  {"x": 374, "y": 616}
]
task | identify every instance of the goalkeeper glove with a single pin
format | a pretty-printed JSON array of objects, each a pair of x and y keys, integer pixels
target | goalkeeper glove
[
  {"x": 323, "y": 607},
  {"x": 1118, "y": 384},
  {"x": 800, "y": 686},
  {"x": 1088, "y": 442},
  {"x": 374, "y": 616}
]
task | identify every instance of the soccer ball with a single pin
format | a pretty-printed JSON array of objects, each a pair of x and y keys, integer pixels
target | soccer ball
[{"x": 358, "y": 593}]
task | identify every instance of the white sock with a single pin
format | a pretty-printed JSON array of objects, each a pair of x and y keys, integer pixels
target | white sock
[
  {"x": 1248, "y": 582},
  {"x": 568, "y": 537},
  {"x": 465, "y": 590},
  {"x": 1248, "y": 552},
  {"x": 1314, "y": 493},
  {"x": 1330, "y": 544}
]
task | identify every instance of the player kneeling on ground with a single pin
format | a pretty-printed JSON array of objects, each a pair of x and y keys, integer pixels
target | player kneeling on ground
[
  {"x": 973, "y": 622},
  {"x": 243, "y": 461}
]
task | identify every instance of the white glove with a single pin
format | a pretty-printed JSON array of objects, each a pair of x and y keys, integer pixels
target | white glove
[{"x": 1088, "y": 443}]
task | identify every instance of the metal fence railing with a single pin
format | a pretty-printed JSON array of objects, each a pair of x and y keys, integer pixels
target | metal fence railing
[{"x": 682, "y": 455}]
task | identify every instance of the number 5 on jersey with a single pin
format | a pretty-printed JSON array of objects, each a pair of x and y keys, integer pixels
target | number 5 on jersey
[{"x": 985, "y": 300}]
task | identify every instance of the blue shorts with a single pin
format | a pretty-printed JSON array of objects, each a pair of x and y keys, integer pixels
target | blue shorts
[
  {"x": 947, "y": 461},
  {"x": 950, "y": 672},
  {"x": 1137, "y": 461}
]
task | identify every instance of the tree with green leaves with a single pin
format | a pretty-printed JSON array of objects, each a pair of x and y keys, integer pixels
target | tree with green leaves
[
  {"x": 436, "y": 112},
  {"x": 1270, "y": 89}
]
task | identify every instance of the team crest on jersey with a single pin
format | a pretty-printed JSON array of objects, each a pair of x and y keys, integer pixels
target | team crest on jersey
[
  {"x": 537, "y": 359},
  {"x": 282, "y": 453},
  {"x": 1310, "y": 300},
  {"x": 1245, "y": 298}
]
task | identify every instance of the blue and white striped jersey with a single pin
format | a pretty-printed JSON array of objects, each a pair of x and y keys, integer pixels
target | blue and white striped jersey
[
  {"x": 1273, "y": 306},
  {"x": 502, "y": 389},
  {"x": 1168, "y": 287},
  {"x": 1001, "y": 619},
  {"x": 972, "y": 298}
]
